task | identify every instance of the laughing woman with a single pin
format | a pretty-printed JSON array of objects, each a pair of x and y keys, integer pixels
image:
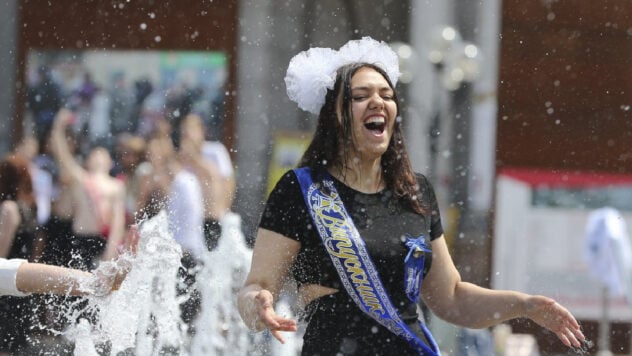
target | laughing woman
[{"x": 360, "y": 232}]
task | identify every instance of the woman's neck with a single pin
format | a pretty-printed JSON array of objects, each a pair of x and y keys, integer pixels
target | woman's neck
[{"x": 363, "y": 176}]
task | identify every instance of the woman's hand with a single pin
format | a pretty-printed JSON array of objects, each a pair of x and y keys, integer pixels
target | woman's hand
[
  {"x": 551, "y": 315},
  {"x": 64, "y": 118},
  {"x": 109, "y": 276},
  {"x": 268, "y": 317}
]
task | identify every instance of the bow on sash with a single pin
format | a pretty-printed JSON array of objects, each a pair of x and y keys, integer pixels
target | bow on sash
[
  {"x": 414, "y": 265},
  {"x": 354, "y": 265}
]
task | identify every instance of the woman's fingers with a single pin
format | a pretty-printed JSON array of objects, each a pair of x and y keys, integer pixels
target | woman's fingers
[
  {"x": 270, "y": 319},
  {"x": 556, "y": 318},
  {"x": 275, "y": 322},
  {"x": 283, "y": 325},
  {"x": 264, "y": 308},
  {"x": 569, "y": 338},
  {"x": 565, "y": 340}
]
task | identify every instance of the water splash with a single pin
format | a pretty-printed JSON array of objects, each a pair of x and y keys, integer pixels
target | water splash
[
  {"x": 143, "y": 315},
  {"x": 220, "y": 330}
]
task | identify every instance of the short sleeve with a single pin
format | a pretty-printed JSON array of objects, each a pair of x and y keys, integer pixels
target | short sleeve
[
  {"x": 429, "y": 203},
  {"x": 285, "y": 212},
  {"x": 8, "y": 275}
]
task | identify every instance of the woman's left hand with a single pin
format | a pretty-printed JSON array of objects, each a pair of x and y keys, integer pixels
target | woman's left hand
[
  {"x": 267, "y": 316},
  {"x": 551, "y": 315}
]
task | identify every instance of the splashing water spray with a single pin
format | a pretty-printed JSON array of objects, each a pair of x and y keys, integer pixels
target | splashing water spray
[
  {"x": 143, "y": 316},
  {"x": 219, "y": 327}
]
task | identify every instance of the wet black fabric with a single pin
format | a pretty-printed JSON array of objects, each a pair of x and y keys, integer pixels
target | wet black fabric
[
  {"x": 383, "y": 222},
  {"x": 65, "y": 248},
  {"x": 16, "y": 313},
  {"x": 58, "y": 232},
  {"x": 212, "y": 233},
  {"x": 187, "y": 289},
  {"x": 68, "y": 249},
  {"x": 336, "y": 327}
]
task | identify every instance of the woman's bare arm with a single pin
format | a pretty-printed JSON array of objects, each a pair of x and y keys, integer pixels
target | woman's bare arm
[
  {"x": 469, "y": 305},
  {"x": 41, "y": 278},
  {"x": 117, "y": 223},
  {"x": 272, "y": 258},
  {"x": 60, "y": 148}
]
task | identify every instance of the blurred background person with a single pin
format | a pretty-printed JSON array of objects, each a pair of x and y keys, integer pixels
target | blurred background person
[
  {"x": 166, "y": 184},
  {"x": 121, "y": 106},
  {"x": 58, "y": 229},
  {"x": 42, "y": 182},
  {"x": 216, "y": 152},
  {"x": 43, "y": 98},
  {"x": 98, "y": 199},
  {"x": 18, "y": 222},
  {"x": 208, "y": 174},
  {"x": 129, "y": 153},
  {"x": 154, "y": 173},
  {"x": 42, "y": 179}
]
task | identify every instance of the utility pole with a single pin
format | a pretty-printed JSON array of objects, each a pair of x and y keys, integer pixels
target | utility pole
[
  {"x": 8, "y": 55},
  {"x": 469, "y": 247}
]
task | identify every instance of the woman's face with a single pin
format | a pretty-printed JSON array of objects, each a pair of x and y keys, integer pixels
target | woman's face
[
  {"x": 159, "y": 151},
  {"x": 192, "y": 130},
  {"x": 374, "y": 112},
  {"x": 99, "y": 160}
]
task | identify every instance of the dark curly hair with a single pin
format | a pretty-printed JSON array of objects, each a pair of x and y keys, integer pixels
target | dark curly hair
[
  {"x": 15, "y": 179},
  {"x": 332, "y": 140}
]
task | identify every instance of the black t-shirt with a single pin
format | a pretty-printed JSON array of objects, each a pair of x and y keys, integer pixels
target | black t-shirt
[
  {"x": 382, "y": 220},
  {"x": 335, "y": 324}
]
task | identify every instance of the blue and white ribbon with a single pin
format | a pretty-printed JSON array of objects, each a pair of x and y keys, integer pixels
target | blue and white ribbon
[
  {"x": 353, "y": 264},
  {"x": 414, "y": 266}
]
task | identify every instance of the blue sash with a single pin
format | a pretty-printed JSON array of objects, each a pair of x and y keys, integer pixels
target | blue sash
[{"x": 355, "y": 268}]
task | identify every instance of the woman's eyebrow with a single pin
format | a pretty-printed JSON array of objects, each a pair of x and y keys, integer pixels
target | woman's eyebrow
[{"x": 384, "y": 88}]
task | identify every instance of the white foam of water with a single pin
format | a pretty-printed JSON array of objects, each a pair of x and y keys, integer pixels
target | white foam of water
[
  {"x": 84, "y": 344},
  {"x": 220, "y": 330},
  {"x": 144, "y": 314},
  {"x": 292, "y": 343}
]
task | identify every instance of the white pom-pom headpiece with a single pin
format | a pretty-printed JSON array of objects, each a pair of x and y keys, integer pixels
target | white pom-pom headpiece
[{"x": 311, "y": 73}]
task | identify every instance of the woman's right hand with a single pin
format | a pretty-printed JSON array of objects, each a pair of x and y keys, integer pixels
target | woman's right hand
[{"x": 268, "y": 319}]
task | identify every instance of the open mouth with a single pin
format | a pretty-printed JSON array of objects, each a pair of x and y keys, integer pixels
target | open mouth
[{"x": 376, "y": 126}]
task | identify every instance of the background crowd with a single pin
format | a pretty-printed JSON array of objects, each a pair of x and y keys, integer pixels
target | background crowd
[{"x": 69, "y": 193}]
